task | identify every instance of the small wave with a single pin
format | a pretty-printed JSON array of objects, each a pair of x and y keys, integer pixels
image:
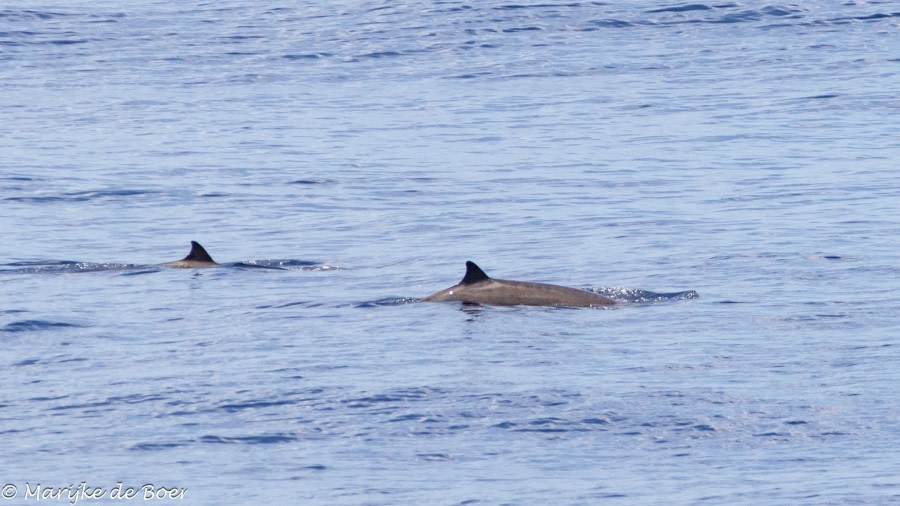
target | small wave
[
  {"x": 404, "y": 395},
  {"x": 434, "y": 457},
  {"x": 67, "y": 42},
  {"x": 81, "y": 196},
  {"x": 682, "y": 8},
  {"x": 310, "y": 182},
  {"x": 139, "y": 271},
  {"x": 286, "y": 264},
  {"x": 263, "y": 439},
  {"x": 302, "y": 303},
  {"x": 89, "y": 406},
  {"x": 551, "y": 424},
  {"x": 725, "y": 13},
  {"x": 156, "y": 446},
  {"x": 380, "y": 54},
  {"x": 35, "y": 325},
  {"x": 608, "y": 23},
  {"x": 63, "y": 267},
  {"x": 305, "y": 56},
  {"x": 522, "y": 29},
  {"x": 391, "y": 301},
  {"x": 878, "y": 16},
  {"x": 252, "y": 264},
  {"x": 773, "y": 434},
  {"x": 256, "y": 404},
  {"x": 611, "y": 423},
  {"x": 636, "y": 295},
  {"x": 72, "y": 267},
  {"x": 512, "y": 7},
  {"x": 29, "y": 14}
]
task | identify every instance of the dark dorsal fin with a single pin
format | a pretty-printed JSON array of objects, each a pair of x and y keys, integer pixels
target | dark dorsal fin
[
  {"x": 474, "y": 274},
  {"x": 198, "y": 254}
]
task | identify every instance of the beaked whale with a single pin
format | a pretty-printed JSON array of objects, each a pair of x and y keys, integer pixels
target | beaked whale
[
  {"x": 477, "y": 287},
  {"x": 198, "y": 257}
]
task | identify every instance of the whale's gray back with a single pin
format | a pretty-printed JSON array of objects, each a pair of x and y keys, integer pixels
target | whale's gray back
[{"x": 477, "y": 287}]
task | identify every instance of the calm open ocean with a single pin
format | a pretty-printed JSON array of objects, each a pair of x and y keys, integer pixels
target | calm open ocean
[{"x": 343, "y": 159}]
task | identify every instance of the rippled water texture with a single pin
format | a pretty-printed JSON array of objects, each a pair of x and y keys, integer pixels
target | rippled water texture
[{"x": 342, "y": 160}]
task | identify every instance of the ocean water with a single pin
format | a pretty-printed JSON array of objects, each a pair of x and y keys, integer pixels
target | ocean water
[{"x": 343, "y": 159}]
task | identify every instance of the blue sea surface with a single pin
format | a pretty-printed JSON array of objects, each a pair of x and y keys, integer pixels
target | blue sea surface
[{"x": 343, "y": 159}]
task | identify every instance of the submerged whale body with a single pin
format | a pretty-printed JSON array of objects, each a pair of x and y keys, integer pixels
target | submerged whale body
[
  {"x": 477, "y": 287},
  {"x": 198, "y": 257}
]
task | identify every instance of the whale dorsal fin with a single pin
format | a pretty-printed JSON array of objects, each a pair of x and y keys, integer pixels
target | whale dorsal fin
[
  {"x": 198, "y": 254},
  {"x": 474, "y": 274}
]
